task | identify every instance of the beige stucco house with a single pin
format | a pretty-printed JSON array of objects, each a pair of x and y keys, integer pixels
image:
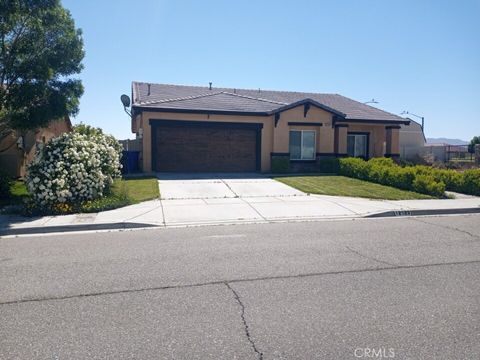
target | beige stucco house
[
  {"x": 17, "y": 150},
  {"x": 208, "y": 129}
]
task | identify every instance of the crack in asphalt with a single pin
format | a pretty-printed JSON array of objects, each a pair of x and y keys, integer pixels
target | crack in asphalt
[
  {"x": 369, "y": 257},
  {"x": 477, "y": 237},
  {"x": 245, "y": 325},
  {"x": 220, "y": 282}
]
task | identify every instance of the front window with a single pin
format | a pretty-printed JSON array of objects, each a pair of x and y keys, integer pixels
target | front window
[
  {"x": 302, "y": 145},
  {"x": 357, "y": 145}
]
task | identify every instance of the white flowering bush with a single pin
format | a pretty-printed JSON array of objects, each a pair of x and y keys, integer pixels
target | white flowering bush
[{"x": 73, "y": 168}]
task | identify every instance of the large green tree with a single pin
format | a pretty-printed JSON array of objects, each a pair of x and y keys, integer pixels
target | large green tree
[
  {"x": 40, "y": 50},
  {"x": 473, "y": 142}
]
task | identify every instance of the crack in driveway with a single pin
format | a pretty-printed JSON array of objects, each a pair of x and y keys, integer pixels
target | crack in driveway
[
  {"x": 229, "y": 188},
  {"x": 245, "y": 325}
]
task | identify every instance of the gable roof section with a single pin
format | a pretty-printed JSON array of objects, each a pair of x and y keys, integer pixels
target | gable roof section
[
  {"x": 164, "y": 97},
  {"x": 310, "y": 102}
]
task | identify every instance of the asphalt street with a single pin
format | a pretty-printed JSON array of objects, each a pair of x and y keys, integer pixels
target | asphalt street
[{"x": 402, "y": 288}]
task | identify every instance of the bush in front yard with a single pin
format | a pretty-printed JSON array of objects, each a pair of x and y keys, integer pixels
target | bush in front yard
[
  {"x": 471, "y": 182},
  {"x": 328, "y": 165},
  {"x": 109, "y": 150},
  {"x": 420, "y": 178},
  {"x": 386, "y": 172},
  {"x": 280, "y": 165},
  {"x": 73, "y": 168},
  {"x": 354, "y": 167},
  {"x": 426, "y": 184}
]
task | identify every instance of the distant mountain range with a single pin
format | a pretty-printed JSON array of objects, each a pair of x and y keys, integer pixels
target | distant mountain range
[{"x": 447, "y": 141}]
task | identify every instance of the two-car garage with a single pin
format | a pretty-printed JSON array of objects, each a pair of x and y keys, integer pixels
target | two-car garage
[{"x": 202, "y": 146}]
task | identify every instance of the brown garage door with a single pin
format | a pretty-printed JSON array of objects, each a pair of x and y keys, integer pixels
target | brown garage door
[{"x": 204, "y": 147}]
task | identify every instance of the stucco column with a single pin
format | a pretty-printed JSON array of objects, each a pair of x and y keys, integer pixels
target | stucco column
[
  {"x": 147, "y": 147},
  {"x": 392, "y": 140},
  {"x": 340, "y": 139}
]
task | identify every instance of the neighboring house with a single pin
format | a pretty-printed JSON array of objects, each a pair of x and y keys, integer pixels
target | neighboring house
[
  {"x": 412, "y": 140},
  {"x": 444, "y": 152},
  {"x": 205, "y": 129},
  {"x": 16, "y": 151}
]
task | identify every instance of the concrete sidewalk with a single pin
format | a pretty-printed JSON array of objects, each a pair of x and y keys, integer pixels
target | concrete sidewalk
[{"x": 233, "y": 210}]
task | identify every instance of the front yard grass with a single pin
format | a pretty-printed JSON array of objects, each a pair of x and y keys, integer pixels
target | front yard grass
[
  {"x": 345, "y": 186},
  {"x": 18, "y": 192},
  {"x": 124, "y": 192},
  {"x": 137, "y": 190}
]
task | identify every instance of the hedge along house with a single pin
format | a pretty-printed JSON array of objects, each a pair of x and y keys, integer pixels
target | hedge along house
[{"x": 208, "y": 129}]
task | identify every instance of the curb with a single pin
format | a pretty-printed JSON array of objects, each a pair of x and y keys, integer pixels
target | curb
[
  {"x": 405, "y": 213},
  {"x": 129, "y": 225},
  {"x": 71, "y": 228}
]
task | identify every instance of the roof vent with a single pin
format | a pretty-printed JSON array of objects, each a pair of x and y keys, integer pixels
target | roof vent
[
  {"x": 148, "y": 93},
  {"x": 210, "y": 85}
]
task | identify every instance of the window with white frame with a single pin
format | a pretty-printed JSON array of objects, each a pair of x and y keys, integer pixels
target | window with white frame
[{"x": 302, "y": 145}]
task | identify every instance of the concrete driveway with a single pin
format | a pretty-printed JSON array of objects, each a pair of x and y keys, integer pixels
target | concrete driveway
[{"x": 221, "y": 186}]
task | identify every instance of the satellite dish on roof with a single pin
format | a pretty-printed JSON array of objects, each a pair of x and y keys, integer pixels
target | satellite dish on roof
[{"x": 125, "y": 100}]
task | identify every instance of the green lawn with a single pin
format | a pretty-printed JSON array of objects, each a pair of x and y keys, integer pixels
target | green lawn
[
  {"x": 18, "y": 192},
  {"x": 124, "y": 192},
  {"x": 345, "y": 186},
  {"x": 137, "y": 190}
]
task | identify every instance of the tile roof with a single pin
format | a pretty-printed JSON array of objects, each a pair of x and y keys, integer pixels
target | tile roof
[{"x": 191, "y": 98}]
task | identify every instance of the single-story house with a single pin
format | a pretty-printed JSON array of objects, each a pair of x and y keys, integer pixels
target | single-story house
[
  {"x": 209, "y": 129},
  {"x": 17, "y": 150},
  {"x": 412, "y": 140}
]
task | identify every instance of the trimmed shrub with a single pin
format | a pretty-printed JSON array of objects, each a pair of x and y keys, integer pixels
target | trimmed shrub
[
  {"x": 73, "y": 168},
  {"x": 354, "y": 167},
  {"x": 426, "y": 184},
  {"x": 399, "y": 177},
  {"x": 384, "y": 171},
  {"x": 280, "y": 165},
  {"x": 471, "y": 182},
  {"x": 420, "y": 178},
  {"x": 382, "y": 161},
  {"x": 328, "y": 165},
  {"x": 467, "y": 182}
]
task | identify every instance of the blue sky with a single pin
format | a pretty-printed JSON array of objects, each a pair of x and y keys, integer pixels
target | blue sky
[{"x": 420, "y": 56}]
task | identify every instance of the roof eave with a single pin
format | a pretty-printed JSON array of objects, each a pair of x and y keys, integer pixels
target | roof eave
[
  {"x": 375, "y": 121},
  {"x": 138, "y": 108},
  {"x": 339, "y": 117}
]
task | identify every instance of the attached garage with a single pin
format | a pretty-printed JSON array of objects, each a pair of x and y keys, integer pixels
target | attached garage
[{"x": 201, "y": 146}]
